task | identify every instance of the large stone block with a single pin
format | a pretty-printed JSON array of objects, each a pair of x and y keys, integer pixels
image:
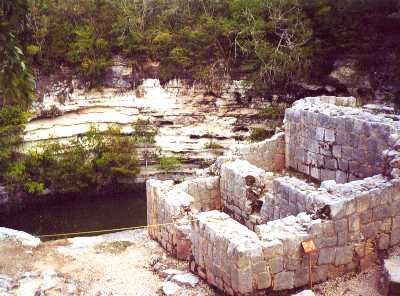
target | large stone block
[
  {"x": 344, "y": 255},
  {"x": 283, "y": 281},
  {"x": 326, "y": 256}
]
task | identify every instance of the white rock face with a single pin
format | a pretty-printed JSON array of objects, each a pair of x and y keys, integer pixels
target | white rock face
[
  {"x": 186, "y": 121},
  {"x": 22, "y": 237}
]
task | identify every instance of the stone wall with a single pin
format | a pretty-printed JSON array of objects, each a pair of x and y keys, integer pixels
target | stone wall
[
  {"x": 242, "y": 185},
  {"x": 365, "y": 220},
  {"x": 205, "y": 191},
  {"x": 243, "y": 227},
  {"x": 168, "y": 204},
  {"x": 328, "y": 142},
  {"x": 268, "y": 154},
  {"x": 291, "y": 196}
]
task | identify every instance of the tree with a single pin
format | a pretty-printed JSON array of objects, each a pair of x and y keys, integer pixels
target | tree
[{"x": 16, "y": 81}]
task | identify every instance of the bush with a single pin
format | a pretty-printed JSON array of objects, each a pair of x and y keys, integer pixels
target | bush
[
  {"x": 259, "y": 134},
  {"x": 53, "y": 112},
  {"x": 168, "y": 163},
  {"x": 94, "y": 162}
]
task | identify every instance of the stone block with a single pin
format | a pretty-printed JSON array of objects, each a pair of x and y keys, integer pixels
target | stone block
[
  {"x": 341, "y": 225},
  {"x": 381, "y": 212},
  {"x": 326, "y": 256},
  {"x": 396, "y": 222},
  {"x": 301, "y": 277},
  {"x": 283, "y": 281},
  {"x": 343, "y": 238},
  {"x": 395, "y": 237},
  {"x": 263, "y": 280},
  {"x": 366, "y": 217},
  {"x": 354, "y": 223},
  {"x": 276, "y": 265},
  {"x": 320, "y": 273},
  {"x": 330, "y": 163},
  {"x": 369, "y": 230},
  {"x": 337, "y": 151},
  {"x": 383, "y": 241},
  {"x": 363, "y": 202},
  {"x": 344, "y": 255},
  {"x": 320, "y": 132},
  {"x": 329, "y": 135},
  {"x": 272, "y": 249},
  {"x": 328, "y": 174}
]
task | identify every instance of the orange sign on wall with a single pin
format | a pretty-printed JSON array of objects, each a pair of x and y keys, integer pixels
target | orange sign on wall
[{"x": 309, "y": 246}]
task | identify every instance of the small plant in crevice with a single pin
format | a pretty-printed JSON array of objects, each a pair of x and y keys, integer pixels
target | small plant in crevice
[
  {"x": 212, "y": 145},
  {"x": 169, "y": 163},
  {"x": 259, "y": 134},
  {"x": 274, "y": 111}
]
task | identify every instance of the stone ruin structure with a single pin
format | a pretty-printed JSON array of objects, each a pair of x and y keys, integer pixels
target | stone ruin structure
[{"x": 332, "y": 176}]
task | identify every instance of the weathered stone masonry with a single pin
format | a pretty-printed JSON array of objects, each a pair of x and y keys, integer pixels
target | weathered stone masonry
[
  {"x": 332, "y": 142},
  {"x": 242, "y": 227}
]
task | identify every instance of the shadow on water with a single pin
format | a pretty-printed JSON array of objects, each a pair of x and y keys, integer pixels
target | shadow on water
[{"x": 80, "y": 213}]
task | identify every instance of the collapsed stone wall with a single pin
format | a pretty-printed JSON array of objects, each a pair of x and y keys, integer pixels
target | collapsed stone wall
[
  {"x": 268, "y": 154},
  {"x": 328, "y": 142},
  {"x": 255, "y": 246}
]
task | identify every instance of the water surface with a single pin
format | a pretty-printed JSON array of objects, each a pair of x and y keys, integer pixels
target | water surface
[{"x": 81, "y": 213}]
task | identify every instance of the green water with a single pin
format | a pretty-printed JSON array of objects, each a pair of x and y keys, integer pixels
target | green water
[{"x": 81, "y": 213}]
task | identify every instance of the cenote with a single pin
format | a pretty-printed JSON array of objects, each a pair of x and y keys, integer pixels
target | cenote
[{"x": 81, "y": 213}]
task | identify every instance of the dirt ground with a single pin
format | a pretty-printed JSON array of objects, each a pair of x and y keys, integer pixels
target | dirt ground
[
  {"x": 115, "y": 264},
  {"x": 126, "y": 263}
]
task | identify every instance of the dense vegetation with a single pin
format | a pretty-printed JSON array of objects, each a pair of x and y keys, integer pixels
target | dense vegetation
[
  {"x": 272, "y": 43},
  {"x": 95, "y": 162}
]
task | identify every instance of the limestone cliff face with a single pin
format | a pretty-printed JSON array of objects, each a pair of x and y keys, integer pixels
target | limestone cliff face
[{"x": 187, "y": 118}]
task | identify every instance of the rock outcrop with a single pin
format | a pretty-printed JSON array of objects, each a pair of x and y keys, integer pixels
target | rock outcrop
[{"x": 21, "y": 237}]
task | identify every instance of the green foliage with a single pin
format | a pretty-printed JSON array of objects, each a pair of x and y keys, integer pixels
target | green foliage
[
  {"x": 16, "y": 81},
  {"x": 269, "y": 43},
  {"x": 93, "y": 162},
  {"x": 168, "y": 163},
  {"x": 274, "y": 111},
  {"x": 212, "y": 145},
  {"x": 144, "y": 132},
  {"x": 12, "y": 124},
  {"x": 258, "y": 134}
]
